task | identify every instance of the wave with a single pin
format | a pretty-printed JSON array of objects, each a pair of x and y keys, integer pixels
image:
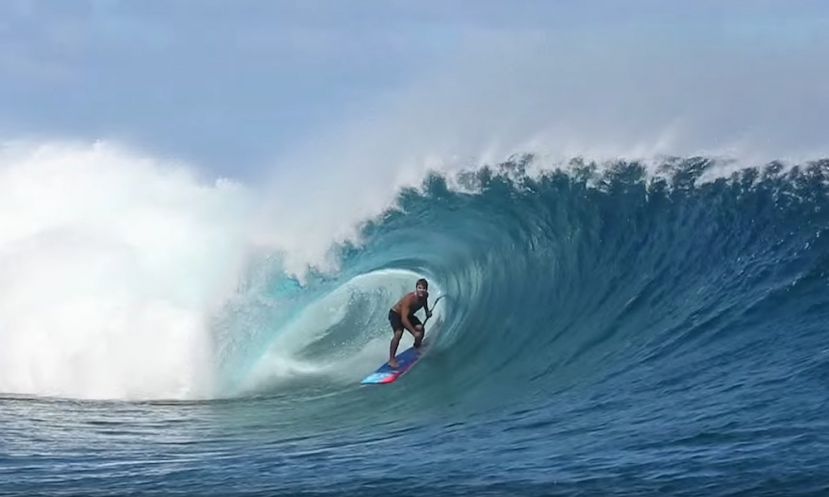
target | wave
[
  {"x": 125, "y": 278},
  {"x": 567, "y": 279}
]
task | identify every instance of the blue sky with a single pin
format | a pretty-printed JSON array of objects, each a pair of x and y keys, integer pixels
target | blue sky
[{"x": 234, "y": 86}]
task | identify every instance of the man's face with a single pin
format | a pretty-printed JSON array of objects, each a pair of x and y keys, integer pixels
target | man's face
[{"x": 421, "y": 291}]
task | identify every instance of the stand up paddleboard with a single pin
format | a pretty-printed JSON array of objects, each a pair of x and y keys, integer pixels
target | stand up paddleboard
[{"x": 405, "y": 360}]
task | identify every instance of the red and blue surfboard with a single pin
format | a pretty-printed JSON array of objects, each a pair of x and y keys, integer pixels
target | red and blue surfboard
[{"x": 385, "y": 374}]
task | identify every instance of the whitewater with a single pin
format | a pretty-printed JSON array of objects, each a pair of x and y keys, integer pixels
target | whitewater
[{"x": 614, "y": 327}]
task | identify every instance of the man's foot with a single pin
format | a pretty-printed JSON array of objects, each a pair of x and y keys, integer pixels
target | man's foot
[{"x": 393, "y": 363}]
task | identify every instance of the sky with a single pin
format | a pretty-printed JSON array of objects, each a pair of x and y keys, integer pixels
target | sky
[{"x": 237, "y": 88}]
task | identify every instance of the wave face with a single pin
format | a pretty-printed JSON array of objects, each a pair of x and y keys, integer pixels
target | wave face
[{"x": 605, "y": 330}]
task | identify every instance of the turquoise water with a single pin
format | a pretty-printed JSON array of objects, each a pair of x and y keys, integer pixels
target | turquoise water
[{"x": 614, "y": 333}]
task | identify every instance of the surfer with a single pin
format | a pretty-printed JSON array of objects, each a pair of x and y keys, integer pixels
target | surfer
[{"x": 401, "y": 315}]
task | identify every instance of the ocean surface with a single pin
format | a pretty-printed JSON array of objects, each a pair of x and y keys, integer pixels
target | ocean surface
[{"x": 621, "y": 330}]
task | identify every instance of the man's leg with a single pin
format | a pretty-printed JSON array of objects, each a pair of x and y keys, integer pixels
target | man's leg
[
  {"x": 395, "y": 341},
  {"x": 418, "y": 333},
  {"x": 418, "y": 337}
]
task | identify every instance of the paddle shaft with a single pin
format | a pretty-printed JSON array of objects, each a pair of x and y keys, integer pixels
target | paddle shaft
[{"x": 433, "y": 306}]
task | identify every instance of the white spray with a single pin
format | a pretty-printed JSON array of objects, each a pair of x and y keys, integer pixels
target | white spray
[{"x": 110, "y": 265}]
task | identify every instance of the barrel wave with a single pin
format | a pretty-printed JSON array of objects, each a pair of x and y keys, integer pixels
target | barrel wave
[{"x": 564, "y": 280}]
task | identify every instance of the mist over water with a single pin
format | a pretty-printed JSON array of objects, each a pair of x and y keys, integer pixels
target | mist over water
[{"x": 110, "y": 265}]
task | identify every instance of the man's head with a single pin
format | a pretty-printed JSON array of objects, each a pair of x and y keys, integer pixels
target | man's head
[{"x": 421, "y": 287}]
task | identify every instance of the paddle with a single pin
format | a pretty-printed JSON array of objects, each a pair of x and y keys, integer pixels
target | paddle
[{"x": 433, "y": 306}]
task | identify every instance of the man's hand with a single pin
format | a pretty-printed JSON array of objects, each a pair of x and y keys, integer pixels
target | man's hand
[{"x": 428, "y": 314}]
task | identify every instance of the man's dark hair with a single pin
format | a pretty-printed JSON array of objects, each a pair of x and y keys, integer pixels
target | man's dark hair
[{"x": 422, "y": 282}]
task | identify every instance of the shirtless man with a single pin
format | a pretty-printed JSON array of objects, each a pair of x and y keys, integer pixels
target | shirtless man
[{"x": 402, "y": 316}]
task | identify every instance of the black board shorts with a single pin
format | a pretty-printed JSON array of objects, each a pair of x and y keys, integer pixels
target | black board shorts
[{"x": 397, "y": 322}]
